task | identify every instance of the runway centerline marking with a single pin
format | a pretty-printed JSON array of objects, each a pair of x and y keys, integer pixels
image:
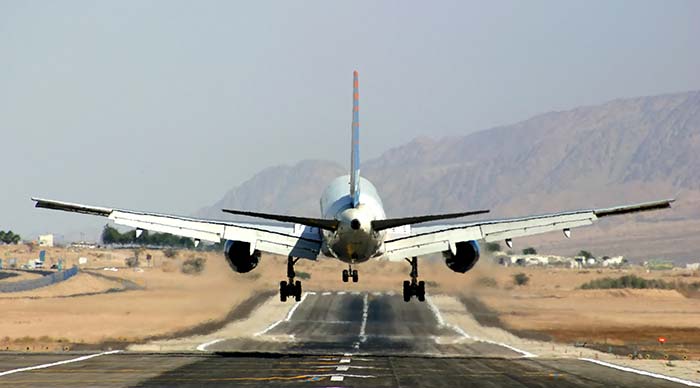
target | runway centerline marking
[
  {"x": 363, "y": 327},
  {"x": 643, "y": 372},
  {"x": 43, "y": 366}
]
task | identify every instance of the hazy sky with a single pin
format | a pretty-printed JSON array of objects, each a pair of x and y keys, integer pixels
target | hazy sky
[{"x": 166, "y": 105}]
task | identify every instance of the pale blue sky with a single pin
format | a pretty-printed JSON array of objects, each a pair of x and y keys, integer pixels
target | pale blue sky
[{"x": 165, "y": 105}]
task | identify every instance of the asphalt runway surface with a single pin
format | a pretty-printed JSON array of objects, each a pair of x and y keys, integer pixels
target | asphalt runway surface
[{"x": 328, "y": 340}]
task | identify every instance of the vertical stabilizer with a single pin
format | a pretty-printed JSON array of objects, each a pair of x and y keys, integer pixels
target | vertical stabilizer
[{"x": 355, "y": 151}]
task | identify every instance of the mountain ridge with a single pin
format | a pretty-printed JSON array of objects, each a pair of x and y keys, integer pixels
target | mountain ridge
[{"x": 624, "y": 150}]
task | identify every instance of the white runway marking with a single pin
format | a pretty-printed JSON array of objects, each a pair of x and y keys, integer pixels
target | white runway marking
[
  {"x": 642, "y": 372},
  {"x": 341, "y": 292},
  {"x": 296, "y": 305},
  {"x": 436, "y": 312},
  {"x": 356, "y": 292},
  {"x": 203, "y": 347},
  {"x": 287, "y": 318},
  {"x": 326, "y": 293},
  {"x": 343, "y": 368},
  {"x": 43, "y": 366},
  {"x": 337, "y": 378},
  {"x": 363, "y": 327},
  {"x": 344, "y": 360},
  {"x": 459, "y": 330}
]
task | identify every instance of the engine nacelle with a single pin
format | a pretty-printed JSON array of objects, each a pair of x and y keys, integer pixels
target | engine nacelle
[
  {"x": 238, "y": 256},
  {"x": 467, "y": 254}
]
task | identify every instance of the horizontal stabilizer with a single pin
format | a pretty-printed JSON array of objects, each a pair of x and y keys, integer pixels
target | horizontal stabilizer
[
  {"x": 378, "y": 225},
  {"x": 313, "y": 222},
  {"x": 642, "y": 207}
]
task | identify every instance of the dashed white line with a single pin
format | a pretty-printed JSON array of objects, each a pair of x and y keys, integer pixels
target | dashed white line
[
  {"x": 363, "y": 327},
  {"x": 344, "y": 361},
  {"x": 326, "y": 293},
  {"x": 43, "y": 366},
  {"x": 341, "y": 293},
  {"x": 643, "y": 372},
  {"x": 203, "y": 347},
  {"x": 342, "y": 368}
]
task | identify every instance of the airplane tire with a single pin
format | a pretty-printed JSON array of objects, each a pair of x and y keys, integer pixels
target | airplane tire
[
  {"x": 297, "y": 291},
  {"x": 283, "y": 291},
  {"x": 346, "y": 276},
  {"x": 420, "y": 292},
  {"x": 355, "y": 276},
  {"x": 406, "y": 291}
]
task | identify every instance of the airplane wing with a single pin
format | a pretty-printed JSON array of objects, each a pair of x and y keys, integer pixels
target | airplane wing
[
  {"x": 295, "y": 241},
  {"x": 409, "y": 242}
]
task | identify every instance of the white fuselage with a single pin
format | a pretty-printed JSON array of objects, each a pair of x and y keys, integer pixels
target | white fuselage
[{"x": 354, "y": 241}]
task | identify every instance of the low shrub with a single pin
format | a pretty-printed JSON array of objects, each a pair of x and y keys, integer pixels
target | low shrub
[
  {"x": 627, "y": 281},
  {"x": 486, "y": 281},
  {"x": 521, "y": 279},
  {"x": 193, "y": 266}
]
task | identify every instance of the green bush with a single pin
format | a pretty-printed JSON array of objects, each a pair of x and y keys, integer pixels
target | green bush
[
  {"x": 627, "y": 281},
  {"x": 493, "y": 247},
  {"x": 487, "y": 282},
  {"x": 529, "y": 251},
  {"x": 303, "y": 275},
  {"x": 520, "y": 279},
  {"x": 193, "y": 266}
]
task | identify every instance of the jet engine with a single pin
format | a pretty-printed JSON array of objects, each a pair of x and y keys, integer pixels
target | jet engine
[
  {"x": 238, "y": 256},
  {"x": 467, "y": 254}
]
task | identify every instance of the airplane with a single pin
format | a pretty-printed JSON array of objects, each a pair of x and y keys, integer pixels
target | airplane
[{"x": 353, "y": 228}]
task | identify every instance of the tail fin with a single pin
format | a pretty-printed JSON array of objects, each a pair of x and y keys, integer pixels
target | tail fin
[{"x": 355, "y": 150}]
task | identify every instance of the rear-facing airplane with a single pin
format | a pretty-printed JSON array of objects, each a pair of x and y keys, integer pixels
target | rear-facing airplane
[{"x": 353, "y": 228}]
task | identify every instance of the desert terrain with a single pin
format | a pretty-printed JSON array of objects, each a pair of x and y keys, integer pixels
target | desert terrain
[{"x": 100, "y": 309}]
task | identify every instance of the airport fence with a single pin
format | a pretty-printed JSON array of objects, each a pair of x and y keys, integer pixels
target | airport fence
[{"x": 26, "y": 285}]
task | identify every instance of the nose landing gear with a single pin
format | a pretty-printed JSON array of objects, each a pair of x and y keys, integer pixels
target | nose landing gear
[
  {"x": 291, "y": 288},
  {"x": 350, "y": 273},
  {"x": 413, "y": 287}
]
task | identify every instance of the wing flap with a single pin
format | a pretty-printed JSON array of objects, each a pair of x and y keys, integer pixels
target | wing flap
[
  {"x": 438, "y": 238},
  {"x": 298, "y": 242}
]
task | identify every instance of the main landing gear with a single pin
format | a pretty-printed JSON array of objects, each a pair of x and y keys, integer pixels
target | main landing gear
[
  {"x": 414, "y": 287},
  {"x": 291, "y": 288},
  {"x": 350, "y": 273}
]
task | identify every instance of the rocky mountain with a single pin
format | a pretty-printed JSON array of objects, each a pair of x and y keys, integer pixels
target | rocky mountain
[{"x": 625, "y": 150}]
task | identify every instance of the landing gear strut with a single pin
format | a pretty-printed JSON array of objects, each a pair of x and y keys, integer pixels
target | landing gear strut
[
  {"x": 291, "y": 288},
  {"x": 413, "y": 287},
  {"x": 350, "y": 273}
]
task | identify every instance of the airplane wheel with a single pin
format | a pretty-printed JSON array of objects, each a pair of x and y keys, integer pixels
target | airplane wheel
[
  {"x": 355, "y": 276},
  {"x": 297, "y": 291},
  {"x": 420, "y": 292},
  {"x": 406, "y": 291},
  {"x": 346, "y": 276},
  {"x": 283, "y": 291}
]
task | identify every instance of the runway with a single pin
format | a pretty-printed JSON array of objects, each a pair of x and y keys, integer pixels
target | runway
[{"x": 329, "y": 339}]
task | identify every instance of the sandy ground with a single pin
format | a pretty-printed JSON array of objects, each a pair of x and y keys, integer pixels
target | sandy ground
[{"x": 550, "y": 304}]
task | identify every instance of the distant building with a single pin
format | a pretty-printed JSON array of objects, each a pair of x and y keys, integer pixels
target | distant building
[
  {"x": 84, "y": 245},
  {"x": 46, "y": 240}
]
